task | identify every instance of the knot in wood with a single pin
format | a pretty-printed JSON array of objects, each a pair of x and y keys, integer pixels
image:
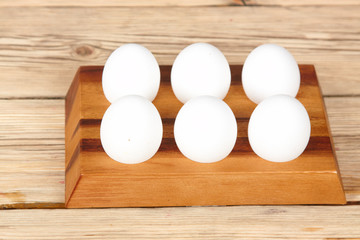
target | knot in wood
[{"x": 84, "y": 50}]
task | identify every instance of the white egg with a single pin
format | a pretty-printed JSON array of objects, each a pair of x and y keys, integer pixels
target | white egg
[
  {"x": 131, "y": 70},
  {"x": 279, "y": 129},
  {"x": 205, "y": 129},
  {"x": 200, "y": 69},
  {"x": 270, "y": 70},
  {"x": 131, "y": 130}
]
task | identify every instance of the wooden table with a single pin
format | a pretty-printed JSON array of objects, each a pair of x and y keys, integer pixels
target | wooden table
[{"x": 42, "y": 43}]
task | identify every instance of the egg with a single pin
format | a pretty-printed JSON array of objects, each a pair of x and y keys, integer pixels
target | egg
[
  {"x": 200, "y": 69},
  {"x": 279, "y": 129},
  {"x": 131, "y": 70},
  {"x": 205, "y": 129},
  {"x": 270, "y": 70},
  {"x": 131, "y": 130}
]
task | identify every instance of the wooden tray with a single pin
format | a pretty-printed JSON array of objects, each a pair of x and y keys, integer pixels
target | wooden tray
[{"x": 170, "y": 179}]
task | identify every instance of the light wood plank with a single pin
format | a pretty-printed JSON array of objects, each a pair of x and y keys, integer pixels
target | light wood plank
[
  {"x": 300, "y": 2},
  {"x": 344, "y": 115},
  {"x": 244, "y": 222},
  {"x": 348, "y": 155},
  {"x": 344, "y": 118},
  {"x": 117, "y": 3},
  {"x": 32, "y": 150},
  {"x": 171, "y": 3},
  {"x": 41, "y": 49}
]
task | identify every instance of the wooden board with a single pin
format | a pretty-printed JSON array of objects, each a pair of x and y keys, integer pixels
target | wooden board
[
  {"x": 172, "y": 3},
  {"x": 170, "y": 179},
  {"x": 300, "y": 2},
  {"x": 42, "y": 47},
  {"x": 40, "y": 60},
  {"x": 119, "y": 3},
  {"x": 184, "y": 223}
]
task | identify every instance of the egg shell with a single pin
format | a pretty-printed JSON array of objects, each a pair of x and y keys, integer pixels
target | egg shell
[
  {"x": 205, "y": 129},
  {"x": 131, "y": 130},
  {"x": 131, "y": 70},
  {"x": 270, "y": 70},
  {"x": 279, "y": 129},
  {"x": 200, "y": 69}
]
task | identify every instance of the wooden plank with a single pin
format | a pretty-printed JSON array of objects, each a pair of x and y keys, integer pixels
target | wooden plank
[
  {"x": 41, "y": 49},
  {"x": 243, "y": 222},
  {"x": 31, "y": 153},
  {"x": 348, "y": 152},
  {"x": 300, "y": 2},
  {"x": 117, "y": 3},
  {"x": 344, "y": 121},
  {"x": 32, "y": 150},
  {"x": 345, "y": 126},
  {"x": 344, "y": 115},
  {"x": 172, "y": 3}
]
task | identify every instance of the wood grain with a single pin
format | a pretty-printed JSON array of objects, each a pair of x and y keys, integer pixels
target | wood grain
[
  {"x": 245, "y": 222},
  {"x": 31, "y": 153},
  {"x": 344, "y": 122},
  {"x": 41, "y": 48},
  {"x": 344, "y": 116},
  {"x": 170, "y": 179},
  {"x": 172, "y": 3},
  {"x": 118, "y": 3},
  {"x": 39, "y": 145},
  {"x": 45, "y": 46},
  {"x": 300, "y": 2}
]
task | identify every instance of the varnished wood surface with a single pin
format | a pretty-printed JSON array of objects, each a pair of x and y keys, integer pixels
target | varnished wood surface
[
  {"x": 42, "y": 43},
  {"x": 169, "y": 179}
]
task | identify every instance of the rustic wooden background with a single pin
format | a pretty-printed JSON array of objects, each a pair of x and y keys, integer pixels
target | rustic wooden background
[{"x": 42, "y": 43}]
